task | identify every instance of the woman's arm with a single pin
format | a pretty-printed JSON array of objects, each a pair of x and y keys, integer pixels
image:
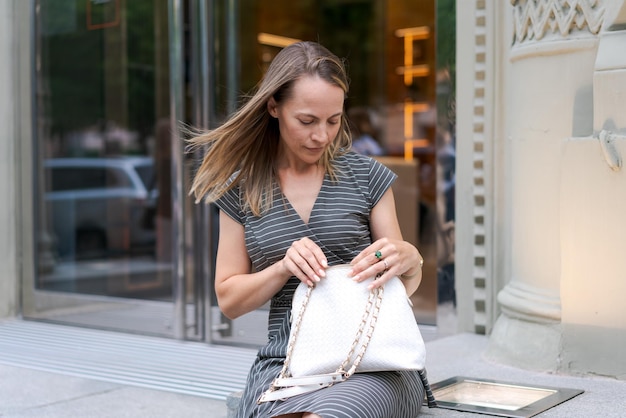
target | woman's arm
[
  {"x": 238, "y": 290},
  {"x": 402, "y": 258}
]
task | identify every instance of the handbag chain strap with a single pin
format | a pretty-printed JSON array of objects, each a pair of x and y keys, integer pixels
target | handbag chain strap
[
  {"x": 372, "y": 309},
  {"x": 294, "y": 332},
  {"x": 373, "y": 303}
]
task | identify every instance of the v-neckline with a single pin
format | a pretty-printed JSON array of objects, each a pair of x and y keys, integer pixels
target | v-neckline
[{"x": 287, "y": 202}]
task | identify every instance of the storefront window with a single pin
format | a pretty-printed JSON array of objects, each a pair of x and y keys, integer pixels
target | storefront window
[
  {"x": 102, "y": 106},
  {"x": 389, "y": 47},
  {"x": 103, "y": 136},
  {"x": 446, "y": 164}
]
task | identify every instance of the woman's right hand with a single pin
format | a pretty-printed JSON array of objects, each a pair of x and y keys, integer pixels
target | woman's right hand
[{"x": 305, "y": 260}]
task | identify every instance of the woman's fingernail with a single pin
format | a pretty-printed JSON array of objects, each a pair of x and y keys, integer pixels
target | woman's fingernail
[
  {"x": 322, "y": 273},
  {"x": 325, "y": 263},
  {"x": 356, "y": 278},
  {"x": 316, "y": 277}
]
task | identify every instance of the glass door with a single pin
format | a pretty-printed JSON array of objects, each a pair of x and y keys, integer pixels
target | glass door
[
  {"x": 390, "y": 49},
  {"x": 103, "y": 163},
  {"x": 119, "y": 243}
]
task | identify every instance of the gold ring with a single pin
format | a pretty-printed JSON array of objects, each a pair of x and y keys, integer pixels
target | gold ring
[{"x": 386, "y": 265}]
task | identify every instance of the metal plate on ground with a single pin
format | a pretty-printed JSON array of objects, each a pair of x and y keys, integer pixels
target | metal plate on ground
[{"x": 504, "y": 399}]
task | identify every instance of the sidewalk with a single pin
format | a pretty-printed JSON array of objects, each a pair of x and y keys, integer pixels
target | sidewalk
[
  {"x": 38, "y": 394},
  {"x": 27, "y": 392}
]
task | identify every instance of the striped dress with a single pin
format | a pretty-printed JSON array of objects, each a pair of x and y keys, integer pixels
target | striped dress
[{"x": 339, "y": 224}]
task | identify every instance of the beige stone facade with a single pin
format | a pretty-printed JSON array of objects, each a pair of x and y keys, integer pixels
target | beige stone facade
[{"x": 541, "y": 187}]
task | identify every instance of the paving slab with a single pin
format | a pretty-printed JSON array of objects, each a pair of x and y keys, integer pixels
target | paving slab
[
  {"x": 26, "y": 393},
  {"x": 464, "y": 355}
]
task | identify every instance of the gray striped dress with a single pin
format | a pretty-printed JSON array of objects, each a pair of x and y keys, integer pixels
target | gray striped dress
[{"x": 339, "y": 224}]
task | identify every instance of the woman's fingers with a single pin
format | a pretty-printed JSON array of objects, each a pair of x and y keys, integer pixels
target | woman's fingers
[
  {"x": 305, "y": 260},
  {"x": 382, "y": 260}
]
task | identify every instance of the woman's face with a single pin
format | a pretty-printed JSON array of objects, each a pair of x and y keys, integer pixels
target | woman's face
[{"x": 309, "y": 120}]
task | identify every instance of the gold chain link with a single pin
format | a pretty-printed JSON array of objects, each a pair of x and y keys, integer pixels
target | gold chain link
[
  {"x": 375, "y": 299},
  {"x": 294, "y": 331}
]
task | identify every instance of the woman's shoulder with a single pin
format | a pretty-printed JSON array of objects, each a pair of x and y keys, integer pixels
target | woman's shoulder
[
  {"x": 369, "y": 175},
  {"x": 358, "y": 163},
  {"x": 230, "y": 201},
  {"x": 352, "y": 158}
]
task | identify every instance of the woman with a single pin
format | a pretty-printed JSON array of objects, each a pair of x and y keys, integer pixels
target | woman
[{"x": 293, "y": 201}]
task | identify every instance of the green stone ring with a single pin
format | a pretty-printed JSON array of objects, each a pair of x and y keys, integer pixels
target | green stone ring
[{"x": 378, "y": 255}]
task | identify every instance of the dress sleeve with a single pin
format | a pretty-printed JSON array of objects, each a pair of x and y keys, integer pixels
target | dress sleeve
[
  {"x": 380, "y": 179},
  {"x": 230, "y": 204}
]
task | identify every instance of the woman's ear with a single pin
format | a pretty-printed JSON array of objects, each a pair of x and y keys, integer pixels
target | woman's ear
[{"x": 271, "y": 107}]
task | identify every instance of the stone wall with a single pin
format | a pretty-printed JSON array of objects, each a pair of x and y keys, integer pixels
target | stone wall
[{"x": 559, "y": 190}]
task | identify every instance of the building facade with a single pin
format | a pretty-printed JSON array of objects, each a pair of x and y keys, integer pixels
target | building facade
[{"x": 540, "y": 182}]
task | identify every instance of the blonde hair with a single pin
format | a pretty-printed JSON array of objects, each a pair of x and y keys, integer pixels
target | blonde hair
[{"x": 247, "y": 144}]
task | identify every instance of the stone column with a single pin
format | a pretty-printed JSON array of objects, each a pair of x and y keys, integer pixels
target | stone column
[{"x": 551, "y": 74}]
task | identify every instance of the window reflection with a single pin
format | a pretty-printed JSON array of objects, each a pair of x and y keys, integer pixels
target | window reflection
[
  {"x": 102, "y": 91},
  {"x": 104, "y": 140},
  {"x": 101, "y": 207},
  {"x": 389, "y": 47},
  {"x": 446, "y": 164}
]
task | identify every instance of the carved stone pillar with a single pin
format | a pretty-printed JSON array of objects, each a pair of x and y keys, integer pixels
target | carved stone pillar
[{"x": 551, "y": 75}]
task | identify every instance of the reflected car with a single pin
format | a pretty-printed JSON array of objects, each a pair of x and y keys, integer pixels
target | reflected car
[{"x": 100, "y": 207}]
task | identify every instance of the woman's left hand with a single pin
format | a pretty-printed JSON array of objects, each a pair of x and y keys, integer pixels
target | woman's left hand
[{"x": 384, "y": 259}]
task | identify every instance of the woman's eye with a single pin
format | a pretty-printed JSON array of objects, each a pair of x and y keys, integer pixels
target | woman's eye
[
  {"x": 333, "y": 122},
  {"x": 306, "y": 122}
]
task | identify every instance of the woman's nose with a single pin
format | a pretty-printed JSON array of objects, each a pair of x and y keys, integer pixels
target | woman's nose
[{"x": 321, "y": 134}]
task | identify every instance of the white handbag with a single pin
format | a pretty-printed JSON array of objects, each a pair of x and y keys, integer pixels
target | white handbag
[{"x": 340, "y": 327}]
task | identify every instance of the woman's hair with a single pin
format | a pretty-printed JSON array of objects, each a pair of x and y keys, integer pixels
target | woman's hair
[{"x": 247, "y": 144}]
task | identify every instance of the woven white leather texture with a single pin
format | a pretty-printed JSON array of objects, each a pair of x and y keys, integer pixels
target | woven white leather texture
[{"x": 331, "y": 321}]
